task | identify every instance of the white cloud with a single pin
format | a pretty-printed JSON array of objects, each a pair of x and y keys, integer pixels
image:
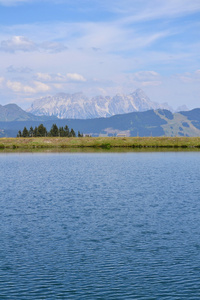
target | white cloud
[
  {"x": 22, "y": 43},
  {"x": 17, "y": 43},
  {"x": 58, "y": 86},
  {"x": 44, "y": 76},
  {"x": 151, "y": 83},
  {"x": 145, "y": 75},
  {"x": 12, "y": 69},
  {"x": 144, "y": 78},
  {"x": 1, "y": 81},
  {"x": 15, "y": 86},
  {"x": 18, "y": 87},
  {"x": 41, "y": 87},
  {"x": 53, "y": 46},
  {"x": 75, "y": 77},
  {"x": 99, "y": 37},
  {"x": 138, "y": 9},
  {"x": 190, "y": 77},
  {"x": 154, "y": 9},
  {"x": 56, "y": 78},
  {"x": 111, "y": 37}
]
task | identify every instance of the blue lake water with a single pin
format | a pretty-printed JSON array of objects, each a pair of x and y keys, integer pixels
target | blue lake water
[{"x": 100, "y": 226}]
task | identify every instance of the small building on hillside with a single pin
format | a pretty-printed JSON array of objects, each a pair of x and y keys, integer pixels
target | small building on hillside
[
  {"x": 103, "y": 135},
  {"x": 121, "y": 135}
]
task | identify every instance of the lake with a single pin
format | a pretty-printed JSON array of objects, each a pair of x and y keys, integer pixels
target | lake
[{"x": 100, "y": 225}]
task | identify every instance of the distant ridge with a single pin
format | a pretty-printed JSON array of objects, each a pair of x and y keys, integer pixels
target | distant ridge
[
  {"x": 78, "y": 106},
  {"x": 159, "y": 122},
  {"x": 12, "y": 112}
]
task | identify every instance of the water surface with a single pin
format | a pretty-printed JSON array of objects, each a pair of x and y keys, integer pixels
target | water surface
[{"x": 100, "y": 226}]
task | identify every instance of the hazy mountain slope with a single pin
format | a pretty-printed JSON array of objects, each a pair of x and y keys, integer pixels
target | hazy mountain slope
[
  {"x": 12, "y": 112},
  {"x": 78, "y": 106},
  {"x": 182, "y": 123},
  {"x": 193, "y": 116},
  {"x": 148, "y": 123}
]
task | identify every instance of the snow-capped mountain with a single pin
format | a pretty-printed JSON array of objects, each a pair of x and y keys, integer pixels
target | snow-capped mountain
[
  {"x": 78, "y": 106},
  {"x": 182, "y": 108}
]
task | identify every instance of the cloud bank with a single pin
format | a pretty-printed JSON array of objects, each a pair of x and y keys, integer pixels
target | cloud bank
[
  {"x": 22, "y": 43},
  {"x": 110, "y": 46}
]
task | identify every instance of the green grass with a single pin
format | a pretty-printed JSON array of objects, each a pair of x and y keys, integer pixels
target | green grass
[{"x": 100, "y": 143}]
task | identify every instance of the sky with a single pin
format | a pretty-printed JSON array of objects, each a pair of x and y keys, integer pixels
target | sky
[{"x": 100, "y": 47}]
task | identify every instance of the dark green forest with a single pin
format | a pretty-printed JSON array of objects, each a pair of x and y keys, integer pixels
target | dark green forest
[{"x": 55, "y": 131}]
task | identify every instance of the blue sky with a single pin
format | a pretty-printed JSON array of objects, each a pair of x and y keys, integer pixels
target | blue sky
[{"x": 100, "y": 47}]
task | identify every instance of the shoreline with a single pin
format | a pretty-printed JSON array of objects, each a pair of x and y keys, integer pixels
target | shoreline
[{"x": 100, "y": 143}]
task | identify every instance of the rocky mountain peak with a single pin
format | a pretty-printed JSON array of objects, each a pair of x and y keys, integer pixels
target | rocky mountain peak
[{"x": 78, "y": 106}]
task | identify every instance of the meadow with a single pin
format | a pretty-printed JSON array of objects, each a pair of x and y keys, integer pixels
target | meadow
[{"x": 100, "y": 143}]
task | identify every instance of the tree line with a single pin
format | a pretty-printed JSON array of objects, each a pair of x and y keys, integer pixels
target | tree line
[{"x": 41, "y": 131}]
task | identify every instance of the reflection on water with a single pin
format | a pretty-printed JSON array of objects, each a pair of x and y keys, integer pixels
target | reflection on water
[{"x": 98, "y": 150}]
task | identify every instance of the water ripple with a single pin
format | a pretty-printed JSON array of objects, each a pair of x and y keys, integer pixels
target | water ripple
[{"x": 100, "y": 226}]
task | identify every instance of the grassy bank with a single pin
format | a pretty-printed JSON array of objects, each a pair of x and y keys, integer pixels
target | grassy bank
[{"x": 100, "y": 143}]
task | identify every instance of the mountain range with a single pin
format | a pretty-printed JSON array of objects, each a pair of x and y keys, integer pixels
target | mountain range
[
  {"x": 159, "y": 122},
  {"x": 78, "y": 106},
  {"x": 129, "y": 115}
]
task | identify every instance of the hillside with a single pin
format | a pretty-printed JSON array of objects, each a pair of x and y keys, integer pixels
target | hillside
[
  {"x": 12, "y": 112},
  {"x": 149, "y": 123}
]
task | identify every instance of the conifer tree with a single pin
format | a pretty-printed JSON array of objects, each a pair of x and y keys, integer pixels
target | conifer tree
[
  {"x": 72, "y": 133},
  {"x": 25, "y": 132},
  {"x": 19, "y": 134},
  {"x": 61, "y": 132},
  {"x": 66, "y": 131},
  {"x": 41, "y": 131},
  {"x": 80, "y": 134},
  {"x": 35, "y": 131},
  {"x": 31, "y": 131},
  {"x": 54, "y": 130}
]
